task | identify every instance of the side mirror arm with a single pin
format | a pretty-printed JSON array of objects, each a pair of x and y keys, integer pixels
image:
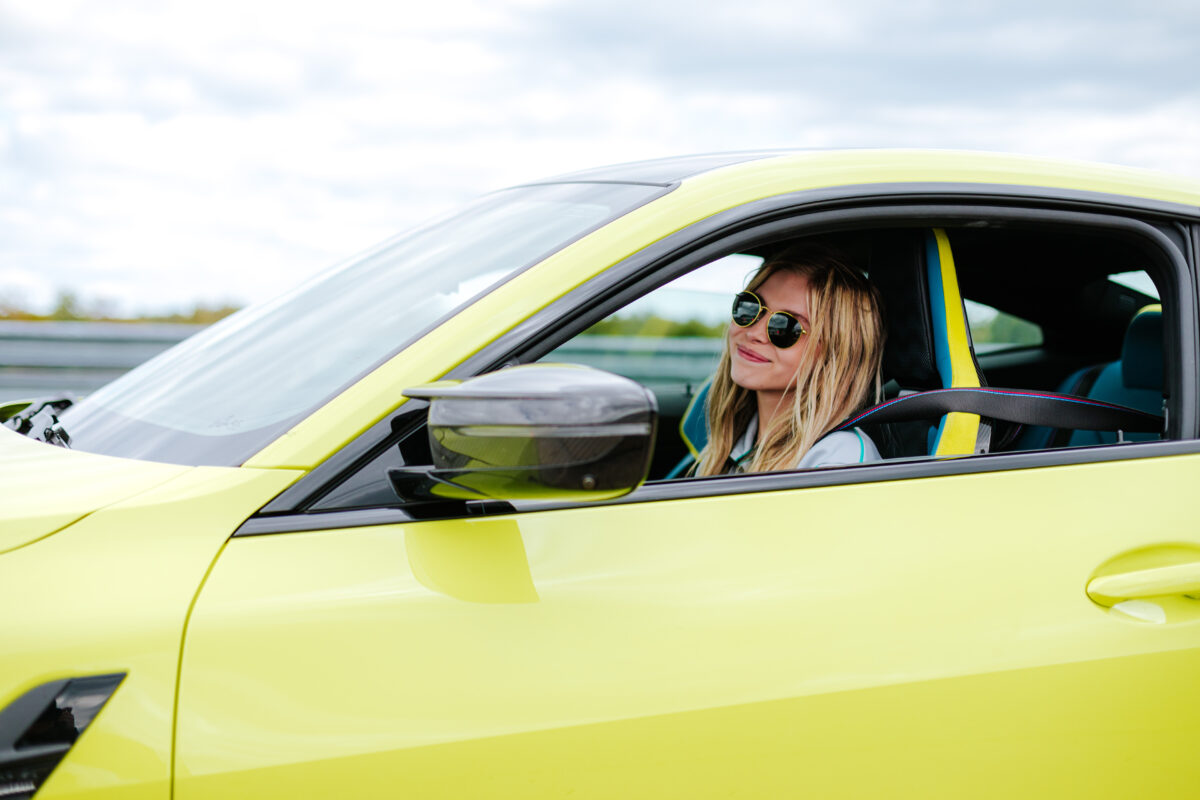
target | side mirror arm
[{"x": 429, "y": 485}]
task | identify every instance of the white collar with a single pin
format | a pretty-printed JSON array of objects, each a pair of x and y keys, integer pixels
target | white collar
[{"x": 745, "y": 445}]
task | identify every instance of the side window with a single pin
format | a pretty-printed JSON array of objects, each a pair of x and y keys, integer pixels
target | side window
[
  {"x": 993, "y": 330},
  {"x": 1038, "y": 321},
  {"x": 667, "y": 340}
]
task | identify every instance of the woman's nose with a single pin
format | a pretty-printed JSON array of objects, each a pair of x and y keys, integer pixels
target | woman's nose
[{"x": 758, "y": 330}]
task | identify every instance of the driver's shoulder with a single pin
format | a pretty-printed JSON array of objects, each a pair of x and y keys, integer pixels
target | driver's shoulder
[{"x": 841, "y": 448}]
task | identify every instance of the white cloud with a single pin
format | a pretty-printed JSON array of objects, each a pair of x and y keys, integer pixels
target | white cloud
[{"x": 162, "y": 152}]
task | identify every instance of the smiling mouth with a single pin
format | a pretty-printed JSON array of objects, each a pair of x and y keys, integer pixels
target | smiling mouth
[{"x": 751, "y": 357}]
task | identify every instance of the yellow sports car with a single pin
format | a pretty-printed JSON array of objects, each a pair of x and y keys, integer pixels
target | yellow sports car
[{"x": 427, "y": 526}]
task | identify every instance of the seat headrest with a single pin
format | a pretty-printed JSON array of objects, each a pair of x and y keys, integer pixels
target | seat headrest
[
  {"x": 1142, "y": 353},
  {"x": 928, "y": 341},
  {"x": 897, "y": 269}
]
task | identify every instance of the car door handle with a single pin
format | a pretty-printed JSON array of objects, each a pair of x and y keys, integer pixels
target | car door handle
[{"x": 1177, "y": 579}]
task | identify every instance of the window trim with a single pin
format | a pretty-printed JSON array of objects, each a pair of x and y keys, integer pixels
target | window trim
[
  {"x": 726, "y": 485},
  {"x": 809, "y": 213}
]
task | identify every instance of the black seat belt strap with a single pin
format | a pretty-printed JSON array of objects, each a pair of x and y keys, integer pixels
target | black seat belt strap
[
  {"x": 1013, "y": 405},
  {"x": 1062, "y": 436}
]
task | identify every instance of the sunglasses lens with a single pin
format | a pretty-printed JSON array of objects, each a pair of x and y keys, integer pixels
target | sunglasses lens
[
  {"x": 746, "y": 309},
  {"x": 783, "y": 330}
]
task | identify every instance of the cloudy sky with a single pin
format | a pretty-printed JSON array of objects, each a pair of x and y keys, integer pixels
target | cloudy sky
[{"x": 158, "y": 154}]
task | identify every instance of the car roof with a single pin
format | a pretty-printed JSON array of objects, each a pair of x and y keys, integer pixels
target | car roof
[
  {"x": 836, "y": 168},
  {"x": 665, "y": 171}
]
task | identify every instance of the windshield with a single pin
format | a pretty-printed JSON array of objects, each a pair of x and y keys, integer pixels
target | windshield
[{"x": 231, "y": 389}]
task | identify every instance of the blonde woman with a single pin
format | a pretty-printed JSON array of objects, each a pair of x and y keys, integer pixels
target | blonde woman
[{"x": 802, "y": 354}]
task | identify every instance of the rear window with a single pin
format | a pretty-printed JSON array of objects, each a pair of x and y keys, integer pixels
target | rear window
[
  {"x": 1138, "y": 281},
  {"x": 992, "y": 329}
]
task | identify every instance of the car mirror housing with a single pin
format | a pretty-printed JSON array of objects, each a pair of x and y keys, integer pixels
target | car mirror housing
[{"x": 535, "y": 432}]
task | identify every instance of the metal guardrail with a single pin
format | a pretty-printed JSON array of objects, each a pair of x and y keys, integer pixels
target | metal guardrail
[
  {"x": 38, "y": 358},
  {"x": 649, "y": 360}
]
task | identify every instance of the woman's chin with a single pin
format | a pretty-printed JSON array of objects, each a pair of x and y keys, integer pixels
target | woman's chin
[{"x": 749, "y": 379}]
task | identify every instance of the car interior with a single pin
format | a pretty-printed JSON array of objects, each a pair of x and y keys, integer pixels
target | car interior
[{"x": 1052, "y": 309}]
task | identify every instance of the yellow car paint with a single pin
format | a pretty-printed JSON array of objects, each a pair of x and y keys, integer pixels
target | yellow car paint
[
  {"x": 33, "y": 477},
  {"x": 111, "y": 594},
  {"x": 811, "y": 642}
]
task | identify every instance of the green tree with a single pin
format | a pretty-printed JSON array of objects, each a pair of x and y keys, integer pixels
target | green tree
[
  {"x": 66, "y": 307},
  {"x": 652, "y": 325}
]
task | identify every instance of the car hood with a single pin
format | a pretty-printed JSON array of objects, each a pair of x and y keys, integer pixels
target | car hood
[{"x": 44, "y": 488}]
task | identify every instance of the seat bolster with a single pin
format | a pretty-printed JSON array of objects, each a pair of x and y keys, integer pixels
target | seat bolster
[
  {"x": 898, "y": 270},
  {"x": 693, "y": 426}
]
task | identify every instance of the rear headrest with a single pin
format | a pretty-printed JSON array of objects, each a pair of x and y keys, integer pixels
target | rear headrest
[{"x": 1142, "y": 353}]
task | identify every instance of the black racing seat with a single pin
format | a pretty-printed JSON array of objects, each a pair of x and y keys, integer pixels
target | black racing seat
[{"x": 928, "y": 342}]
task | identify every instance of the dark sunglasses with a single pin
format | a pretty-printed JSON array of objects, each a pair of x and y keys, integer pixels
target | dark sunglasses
[{"x": 783, "y": 329}]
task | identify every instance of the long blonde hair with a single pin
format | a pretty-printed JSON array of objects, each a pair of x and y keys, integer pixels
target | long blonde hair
[{"x": 838, "y": 373}]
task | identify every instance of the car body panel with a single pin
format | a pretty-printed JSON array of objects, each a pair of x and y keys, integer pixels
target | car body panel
[
  {"x": 46, "y": 488},
  {"x": 696, "y": 198},
  {"x": 110, "y": 594},
  {"x": 705, "y": 647}
]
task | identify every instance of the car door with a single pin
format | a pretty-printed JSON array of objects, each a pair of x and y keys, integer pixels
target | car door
[
  {"x": 855, "y": 638},
  {"x": 917, "y": 628}
]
